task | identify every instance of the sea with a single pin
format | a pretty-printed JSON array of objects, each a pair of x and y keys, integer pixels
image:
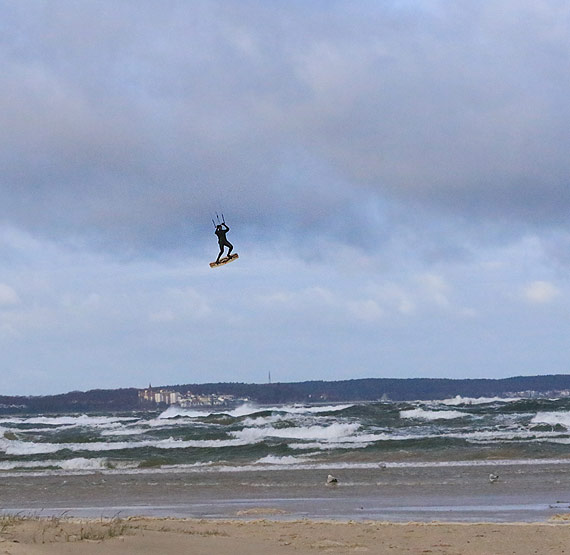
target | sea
[{"x": 392, "y": 460}]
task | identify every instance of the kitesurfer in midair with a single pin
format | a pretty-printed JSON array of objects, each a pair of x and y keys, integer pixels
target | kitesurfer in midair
[{"x": 221, "y": 230}]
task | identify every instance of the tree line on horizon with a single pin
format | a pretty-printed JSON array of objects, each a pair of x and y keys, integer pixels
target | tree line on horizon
[{"x": 364, "y": 389}]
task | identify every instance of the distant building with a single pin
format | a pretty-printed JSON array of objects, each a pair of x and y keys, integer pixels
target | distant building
[
  {"x": 146, "y": 394},
  {"x": 188, "y": 399}
]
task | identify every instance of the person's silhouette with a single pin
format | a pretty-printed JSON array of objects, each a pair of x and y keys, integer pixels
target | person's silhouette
[{"x": 221, "y": 230}]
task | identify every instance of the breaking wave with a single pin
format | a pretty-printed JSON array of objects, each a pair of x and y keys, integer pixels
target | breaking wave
[
  {"x": 459, "y": 400},
  {"x": 423, "y": 414},
  {"x": 553, "y": 419},
  {"x": 287, "y": 436}
]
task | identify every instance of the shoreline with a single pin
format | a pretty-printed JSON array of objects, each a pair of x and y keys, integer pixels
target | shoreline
[
  {"x": 443, "y": 510},
  {"x": 531, "y": 493},
  {"x": 150, "y": 536}
]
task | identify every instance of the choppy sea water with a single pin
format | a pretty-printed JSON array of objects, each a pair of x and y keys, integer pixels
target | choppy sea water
[
  {"x": 394, "y": 461},
  {"x": 452, "y": 432}
]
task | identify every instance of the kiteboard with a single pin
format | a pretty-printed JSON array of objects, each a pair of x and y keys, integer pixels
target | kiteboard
[{"x": 224, "y": 260}]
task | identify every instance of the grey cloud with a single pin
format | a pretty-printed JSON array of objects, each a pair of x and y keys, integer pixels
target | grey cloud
[
  {"x": 133, "y": 125},
  {"x": 463, "y": 113}
]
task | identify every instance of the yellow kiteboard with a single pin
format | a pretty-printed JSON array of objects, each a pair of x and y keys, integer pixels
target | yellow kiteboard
[{"x": 224, "y": 260}]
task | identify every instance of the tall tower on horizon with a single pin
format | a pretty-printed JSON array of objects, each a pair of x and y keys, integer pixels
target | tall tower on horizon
[{"x": 269, "y": 377}]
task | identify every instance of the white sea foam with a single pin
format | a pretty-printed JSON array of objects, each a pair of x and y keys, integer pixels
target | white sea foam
[
  {"x": 210, "y": 467},
  {"x": 303, "y": 409},
  {"x": 17, "y": 447},
  {"x": 422, "y": 414},
  {"x": 175, "y": 413},
  {"x": 255, "y": 467},
  {"x": 483, "y": 436},
  {"x": 488, "y": 436},
  {"x": 329, "y": 433},
  {"x": 179, "y": 412},
  {"x": 260, "y": 421},
  {"x": 10, "y": 465},
  {"x": 328, "y": 446},
  {"x": 124, "y": 431},
  {"x": 79, "y": 463},
  {"x": 562, "y": 440},
  {"x": 297, "y": 413},
  {"x": 524, "y": 436},
  {"x": 250, "y": 409},
  {"x": 376, "y": 465},
  {"x": 561, "y": 418},
  {"x": 273, "y": 460},
  {"x": 81, "y": 420},
  {"x": 335, "y": 436},
  {"x": 244, "y": 410},
  {"x": 306, "y": 430},
  {"x": 459, "y": 400},
  {"x": 356, "y": 441}
]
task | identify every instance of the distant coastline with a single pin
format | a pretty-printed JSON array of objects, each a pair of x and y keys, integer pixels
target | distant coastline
[{"x": 356, "y": 390}]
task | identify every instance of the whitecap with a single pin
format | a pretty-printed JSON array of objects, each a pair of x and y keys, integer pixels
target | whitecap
[
  {"x": 179, "y": 412},
  {"x": 81, "y": 463},
  {"x": 302, "y": 409},
  {"x": 134, "y": 431},
  {"x": 285, "y": 460},
  {"x": 17, "y": 447},
  {"x": 330, "y": 446},
  {"x": 66, "y": 421},
  {"x": 260, "y": 421},
  {"x": 553, "y": 418},
  {"x": 459, "y": 400},
  {"x": 331, "y": 433},
  {"x": 248, "y": 409},
  {"x": 422, "y": 414}
]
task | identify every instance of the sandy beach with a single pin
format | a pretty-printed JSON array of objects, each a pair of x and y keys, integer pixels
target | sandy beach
[{"x": 146, "y": 536}]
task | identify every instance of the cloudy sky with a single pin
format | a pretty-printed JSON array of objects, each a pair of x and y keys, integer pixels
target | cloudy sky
[{"x": 396, "y": 176}]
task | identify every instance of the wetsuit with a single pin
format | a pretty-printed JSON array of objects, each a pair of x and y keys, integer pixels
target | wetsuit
[{"x": 222, "y": 241}]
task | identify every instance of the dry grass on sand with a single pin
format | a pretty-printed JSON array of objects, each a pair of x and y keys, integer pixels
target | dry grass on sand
[{"x": 145, "y": 536}]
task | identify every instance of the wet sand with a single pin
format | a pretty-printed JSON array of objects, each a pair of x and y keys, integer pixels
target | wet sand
[
  {"x": 523, "y": 493},
  {"x": 146, "y": 536}
]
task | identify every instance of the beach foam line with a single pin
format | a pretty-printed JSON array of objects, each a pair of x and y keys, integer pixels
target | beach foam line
[
  {"x": 79, "y": 463},
  {"x": 259, "y": 466}
]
